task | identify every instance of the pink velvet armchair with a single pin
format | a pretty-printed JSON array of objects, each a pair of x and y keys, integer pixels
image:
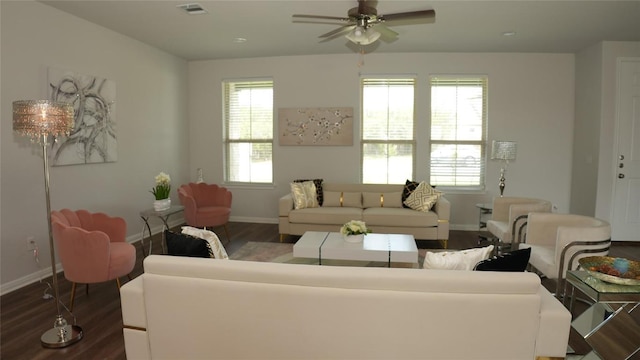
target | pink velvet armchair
[
  {"x": 91, "y": 247},
  {"x": 206, "y": 205}
]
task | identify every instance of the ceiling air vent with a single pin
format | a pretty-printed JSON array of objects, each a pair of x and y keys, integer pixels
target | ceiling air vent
[{"x": 192, "y": 9}]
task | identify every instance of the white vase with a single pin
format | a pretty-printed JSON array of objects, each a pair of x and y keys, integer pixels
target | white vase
[
  {"x": 354, "y": 238},
  {"x": 162, "y": 205}
]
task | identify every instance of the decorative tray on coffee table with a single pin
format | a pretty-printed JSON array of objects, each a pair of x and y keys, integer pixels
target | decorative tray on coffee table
[{"x": 603, "y": 263}]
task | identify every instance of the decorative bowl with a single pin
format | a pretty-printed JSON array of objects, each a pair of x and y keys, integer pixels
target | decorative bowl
[{"x": 591, "y": 262}]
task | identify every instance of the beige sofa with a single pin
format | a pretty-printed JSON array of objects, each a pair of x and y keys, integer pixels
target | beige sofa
[
  {"x": 432, "y": 225},
  {"x": 195, "y": 308}
]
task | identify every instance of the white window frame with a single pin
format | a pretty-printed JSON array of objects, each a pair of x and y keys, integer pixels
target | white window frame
[
  {"x": 230, "y": 140},
  {"x": 386, "y": 139},
  {"x": 461, "y": 167}
]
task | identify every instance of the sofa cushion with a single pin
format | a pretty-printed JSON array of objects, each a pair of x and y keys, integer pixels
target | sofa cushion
[
  {"x": 399, "y": 217},
  {"x": 542, "y": 258},
  {"x": 456, "y": 260},
  {"x": 318, "y": 184},
  {"x": 304, "y": 195},
  {"x": 379, "y": 199},
  {"x": 423, "y": 197},
  {"x": 325, "y": 215},
  {"x": 342, "y": 199}
]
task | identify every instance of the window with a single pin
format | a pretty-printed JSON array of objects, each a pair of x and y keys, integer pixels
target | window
[
  {"x": 248, "y": 119},
  {"x": 458, "y": 131},
  {"x": 388, "y": 144}
]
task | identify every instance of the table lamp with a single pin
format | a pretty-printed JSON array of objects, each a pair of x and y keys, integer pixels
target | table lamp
[
  {"x": 503, "y": 151},
  {"x": 42, "y": 120}
]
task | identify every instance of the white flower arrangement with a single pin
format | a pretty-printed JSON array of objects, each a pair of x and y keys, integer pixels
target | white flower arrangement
[
  {"x": 162, "y": 190},
  {"x": 354, "y": 227}
]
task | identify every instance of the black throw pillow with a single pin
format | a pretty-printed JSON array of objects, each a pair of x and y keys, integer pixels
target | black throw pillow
[
  {"x": 409, "y": 186},
  {"x": 513, "y": 261},
  {"x": 187, "y": 245}
]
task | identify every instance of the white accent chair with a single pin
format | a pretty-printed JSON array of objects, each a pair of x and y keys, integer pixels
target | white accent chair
[
  {"x": 509, "y": 213},
  {"x": 557, "y": 241}
]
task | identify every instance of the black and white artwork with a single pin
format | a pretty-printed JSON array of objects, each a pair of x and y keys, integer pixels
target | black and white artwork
[{"x": 93, "y": 138}]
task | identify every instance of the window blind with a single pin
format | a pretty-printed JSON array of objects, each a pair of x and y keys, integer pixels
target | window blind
[{"x": 458, "y": 131}]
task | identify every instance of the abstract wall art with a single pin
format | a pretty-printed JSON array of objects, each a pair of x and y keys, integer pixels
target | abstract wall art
[
  {"x": 316, "y": 126},
  {"x": 93, "y": 138}
]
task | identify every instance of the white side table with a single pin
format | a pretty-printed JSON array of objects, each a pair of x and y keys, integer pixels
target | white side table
[{"x": 162, "y": 215}]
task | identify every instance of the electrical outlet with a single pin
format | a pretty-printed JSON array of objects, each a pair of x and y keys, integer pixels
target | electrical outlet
[{"x": 31, "y": 243}]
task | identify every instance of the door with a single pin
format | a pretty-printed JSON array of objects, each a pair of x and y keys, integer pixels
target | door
[{"x": 625, "y": 219}]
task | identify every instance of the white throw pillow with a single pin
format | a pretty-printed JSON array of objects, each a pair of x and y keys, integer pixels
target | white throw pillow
[
  {"x": 216, "y": 246},
  {"x": 456, "y": 260},
  {"x": 423, "y": 197},
  {"x": 304, "y": 195}
]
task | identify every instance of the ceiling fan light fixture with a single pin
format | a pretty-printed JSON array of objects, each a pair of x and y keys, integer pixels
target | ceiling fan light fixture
[{"x": 363, "y": 36}]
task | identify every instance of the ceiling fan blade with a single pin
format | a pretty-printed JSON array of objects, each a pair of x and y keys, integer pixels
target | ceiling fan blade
[
  {"x": 339, "y": 31},
  {"x": 327, "y": 22},
  {"x": 412, "y": 15},
  {"x": 344, "y": 30},
  {"x": 322, "y": 17},
  {"x": 385, "y": 32}
]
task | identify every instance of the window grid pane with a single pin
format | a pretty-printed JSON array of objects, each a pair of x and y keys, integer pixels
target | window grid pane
[
  {"x": 458, "y": 131},
  {"x": 387, "y": 130},
  {"x": 248, "y": 111}
]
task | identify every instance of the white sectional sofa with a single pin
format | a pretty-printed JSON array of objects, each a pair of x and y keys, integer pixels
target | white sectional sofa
[
  {"x": 195, "y": 308},
  {"x": 391, "y": 218}
]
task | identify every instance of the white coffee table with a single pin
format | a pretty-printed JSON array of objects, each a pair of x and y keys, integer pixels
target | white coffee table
[{"x": 388, "y": 248}]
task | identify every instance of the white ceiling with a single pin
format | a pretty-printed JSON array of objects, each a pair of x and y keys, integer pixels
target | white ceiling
[{"x": 460, "y": 26}]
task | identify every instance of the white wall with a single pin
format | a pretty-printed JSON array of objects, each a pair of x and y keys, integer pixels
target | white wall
[
  {"x": 586, "y": 154},
  {"x": 531, "y": 101},
  {"x": 151, "y": 116}
]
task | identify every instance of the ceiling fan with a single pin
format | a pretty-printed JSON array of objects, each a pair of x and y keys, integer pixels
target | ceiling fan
[{"x": 363, "y": 24}]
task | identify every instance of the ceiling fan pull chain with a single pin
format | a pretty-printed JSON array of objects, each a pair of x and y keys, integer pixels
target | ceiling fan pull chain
[{"x": 361, "y": 57}]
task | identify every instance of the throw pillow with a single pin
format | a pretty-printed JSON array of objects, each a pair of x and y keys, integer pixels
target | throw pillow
[
  {"x": 304, "y": 195},
  {"x": 512, "y": 261},
  {"x": 388, "y": 200},
  {"x": 456, "y": 260},
  {"x": 342, "y": 199},
  {"x": 186, "y": 245},
  {"x": 318, "y": 184},
  {"x": 215, "y": 244},
  {"x": 423, "y": 197},
  {"x": 409, "y": 186}
]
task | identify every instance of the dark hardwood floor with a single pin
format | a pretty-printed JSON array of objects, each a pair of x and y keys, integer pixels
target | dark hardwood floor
[{"x": 25, "y": 315}]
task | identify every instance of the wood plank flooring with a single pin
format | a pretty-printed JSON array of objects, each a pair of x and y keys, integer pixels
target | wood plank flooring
[{"x": 25, "y": 315}]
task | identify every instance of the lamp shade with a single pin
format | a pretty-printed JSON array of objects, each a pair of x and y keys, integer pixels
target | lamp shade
[
  {"x": 503, "y": 150},
  {"x": 39, "y": 119}
]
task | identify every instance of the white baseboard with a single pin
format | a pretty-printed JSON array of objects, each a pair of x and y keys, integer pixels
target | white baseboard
[{"x": 28, "y": 280}]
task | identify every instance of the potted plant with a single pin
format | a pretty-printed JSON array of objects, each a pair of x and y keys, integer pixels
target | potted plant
[
  {"x": 161, "y": 191},
  {"x": 354, "y": 231}
]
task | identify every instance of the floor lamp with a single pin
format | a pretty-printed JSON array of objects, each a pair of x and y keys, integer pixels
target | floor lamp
[
  {"x": 42, "y": 120},
  {"x": 503, "y": 151}
]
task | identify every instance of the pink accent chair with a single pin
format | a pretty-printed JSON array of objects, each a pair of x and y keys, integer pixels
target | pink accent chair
[
  {"x": 206, "y": 205},
  {"x": 91, "y": 247}
]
